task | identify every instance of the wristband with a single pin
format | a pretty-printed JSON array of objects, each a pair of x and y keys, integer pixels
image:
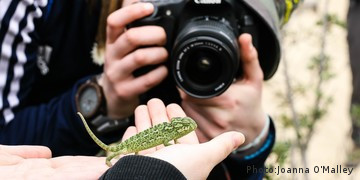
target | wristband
[{"x": 257, "y": 140}]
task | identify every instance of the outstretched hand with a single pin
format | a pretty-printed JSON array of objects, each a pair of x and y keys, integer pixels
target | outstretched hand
[
  {"x": 35, "y": 162},
  {"x": 205, "y": 155}
]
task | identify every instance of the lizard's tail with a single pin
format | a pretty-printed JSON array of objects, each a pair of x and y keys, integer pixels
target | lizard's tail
[{"x": 92, "y": 135}]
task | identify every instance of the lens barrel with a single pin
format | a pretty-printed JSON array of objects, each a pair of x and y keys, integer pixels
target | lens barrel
[{"x": 205, "y": 57}]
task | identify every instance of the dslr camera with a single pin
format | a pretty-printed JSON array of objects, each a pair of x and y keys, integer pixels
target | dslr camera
[{"x": 202, "y": 41}]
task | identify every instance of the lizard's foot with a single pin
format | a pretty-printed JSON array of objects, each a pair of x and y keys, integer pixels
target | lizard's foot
[
  {"x": 167, "y": 144},
  {"x": 108, "y": 163},
  {"x": 110, "y": 157}
]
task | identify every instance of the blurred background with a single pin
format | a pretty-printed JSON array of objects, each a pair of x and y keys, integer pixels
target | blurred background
[{"x": 309, "y": 96}]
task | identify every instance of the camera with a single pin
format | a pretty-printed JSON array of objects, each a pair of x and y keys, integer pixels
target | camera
[{"x": 202, "y": 40}]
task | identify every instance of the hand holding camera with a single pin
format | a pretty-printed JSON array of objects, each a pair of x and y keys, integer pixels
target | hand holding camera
[
  {"x": 218, "y": 73},
  {"x": 123, "y": 56},
  {"x": 202, "y": 42},
  {"x": 238, "y": 108}
]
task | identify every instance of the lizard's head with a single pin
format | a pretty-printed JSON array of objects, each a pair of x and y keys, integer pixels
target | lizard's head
[{"x": 183, "y": 125}]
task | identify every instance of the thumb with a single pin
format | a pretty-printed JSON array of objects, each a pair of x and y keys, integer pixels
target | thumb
[
  {"x": 26, "y": 151},
  {"x": 221, "y": 146},
  {"x": 250, "y": 60}
]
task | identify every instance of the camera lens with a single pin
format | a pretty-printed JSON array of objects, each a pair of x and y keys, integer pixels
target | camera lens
[
  {"x": 205, "y": 57},
  {"x": 203, "y": 67}
]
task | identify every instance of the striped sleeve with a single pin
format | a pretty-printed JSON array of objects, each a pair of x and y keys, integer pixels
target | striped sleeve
[
  {"x": 17, "y": 25},
  {"x": 52, "y": 123}
]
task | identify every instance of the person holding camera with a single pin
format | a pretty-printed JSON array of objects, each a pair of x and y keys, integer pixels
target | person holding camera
[{"x": 47, "y": 73}]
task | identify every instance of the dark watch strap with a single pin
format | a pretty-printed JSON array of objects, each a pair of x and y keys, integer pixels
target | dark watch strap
[{"x": 102, "y": 124}]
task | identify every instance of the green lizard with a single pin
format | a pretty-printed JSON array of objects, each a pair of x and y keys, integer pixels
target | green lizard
[{"x": 152, "y": 137}]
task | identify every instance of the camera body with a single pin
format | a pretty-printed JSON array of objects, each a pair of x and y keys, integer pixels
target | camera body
[{"x": 202, "y": 40}]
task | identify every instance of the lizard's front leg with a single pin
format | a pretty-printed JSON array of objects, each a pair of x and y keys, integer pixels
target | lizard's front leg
[{"x": 167, "y": 143}]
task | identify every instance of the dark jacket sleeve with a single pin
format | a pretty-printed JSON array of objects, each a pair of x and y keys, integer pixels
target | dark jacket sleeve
[{"x": 142, "y": 167}]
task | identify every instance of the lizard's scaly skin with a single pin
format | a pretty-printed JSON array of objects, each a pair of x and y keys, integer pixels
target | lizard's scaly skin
[{"x": 152, "y": 137}]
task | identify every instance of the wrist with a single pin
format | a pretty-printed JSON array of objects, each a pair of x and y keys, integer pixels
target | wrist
[
  {"x": 91, "y": 103},
  {"x": 117, "y": 107},
  {"x": 254, "y": 143},
  {"x": 254, "y": 126},
  {"x": 89, "y": 99}
]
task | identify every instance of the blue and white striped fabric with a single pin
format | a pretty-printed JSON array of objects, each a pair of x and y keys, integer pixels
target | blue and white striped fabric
[
  {"x": 45, "y": 50},
  {"x": 16, "y": 24}
]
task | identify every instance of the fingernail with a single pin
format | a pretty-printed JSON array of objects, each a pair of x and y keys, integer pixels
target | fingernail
[
  {"x": 238, "y": 139},
  {"x": 250, "y": 43},
  {"x": 148, "y": 6}
]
